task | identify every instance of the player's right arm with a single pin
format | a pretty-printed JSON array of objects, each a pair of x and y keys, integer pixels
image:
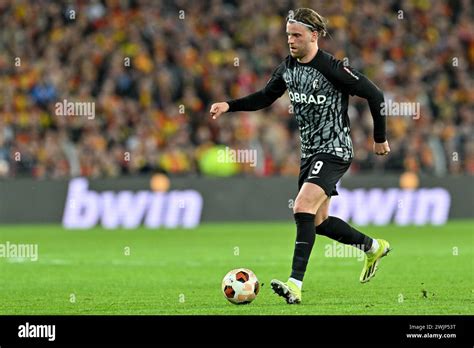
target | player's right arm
[{"x": 273, "y": 90}]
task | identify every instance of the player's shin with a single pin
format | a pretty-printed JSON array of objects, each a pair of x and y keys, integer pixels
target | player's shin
[
  {"x": 304, "y": 244},
  {"x": 342, "y": 232}
]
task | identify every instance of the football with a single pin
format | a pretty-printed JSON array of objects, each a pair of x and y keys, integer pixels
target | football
[{"x": 240, "y": 286}]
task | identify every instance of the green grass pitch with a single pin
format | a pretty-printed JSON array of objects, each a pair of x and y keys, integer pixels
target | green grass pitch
[{"x": 169, "y": 272}]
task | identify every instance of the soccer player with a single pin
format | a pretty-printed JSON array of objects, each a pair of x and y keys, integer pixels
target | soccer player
[{"x": 319, "y": 86}]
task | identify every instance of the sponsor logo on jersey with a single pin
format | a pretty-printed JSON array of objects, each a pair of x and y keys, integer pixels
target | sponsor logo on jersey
[{"x": 307, "y": 99}]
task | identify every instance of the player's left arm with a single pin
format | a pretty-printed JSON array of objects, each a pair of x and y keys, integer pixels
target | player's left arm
[{"x": 356, "y": 83}]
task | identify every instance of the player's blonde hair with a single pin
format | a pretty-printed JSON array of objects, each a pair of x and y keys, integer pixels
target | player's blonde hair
[{"x": 310, "y": 18}]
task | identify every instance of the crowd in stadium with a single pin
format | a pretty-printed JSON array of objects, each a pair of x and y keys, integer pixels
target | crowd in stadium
[{"x": 153, "y": 68}]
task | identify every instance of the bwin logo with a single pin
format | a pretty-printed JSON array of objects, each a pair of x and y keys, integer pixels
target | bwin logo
[
  {"x": 303, "y": 98},
  {"x": 85, "y": 208}
]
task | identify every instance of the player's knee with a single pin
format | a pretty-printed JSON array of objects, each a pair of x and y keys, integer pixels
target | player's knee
[
  {"x": 321, "y": 216},
  {"x": 304, "y": 204},
  {"x": 322, "y": 213}
]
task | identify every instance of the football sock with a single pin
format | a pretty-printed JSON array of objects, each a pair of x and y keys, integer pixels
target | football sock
[
  {"x": 297, "y": 282},
  {"x": 304, "y": 244},
  {"x": 374, "y": 247},
  {"x": 342, "y": 232}
]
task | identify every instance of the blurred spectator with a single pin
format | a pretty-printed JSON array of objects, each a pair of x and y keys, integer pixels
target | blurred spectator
[{"x": 152, "y": 69}]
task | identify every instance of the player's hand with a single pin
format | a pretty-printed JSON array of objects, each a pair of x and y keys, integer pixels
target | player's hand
[
  {"x": 218, "y": 109},
  {"x": 381, "y": 149}
]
